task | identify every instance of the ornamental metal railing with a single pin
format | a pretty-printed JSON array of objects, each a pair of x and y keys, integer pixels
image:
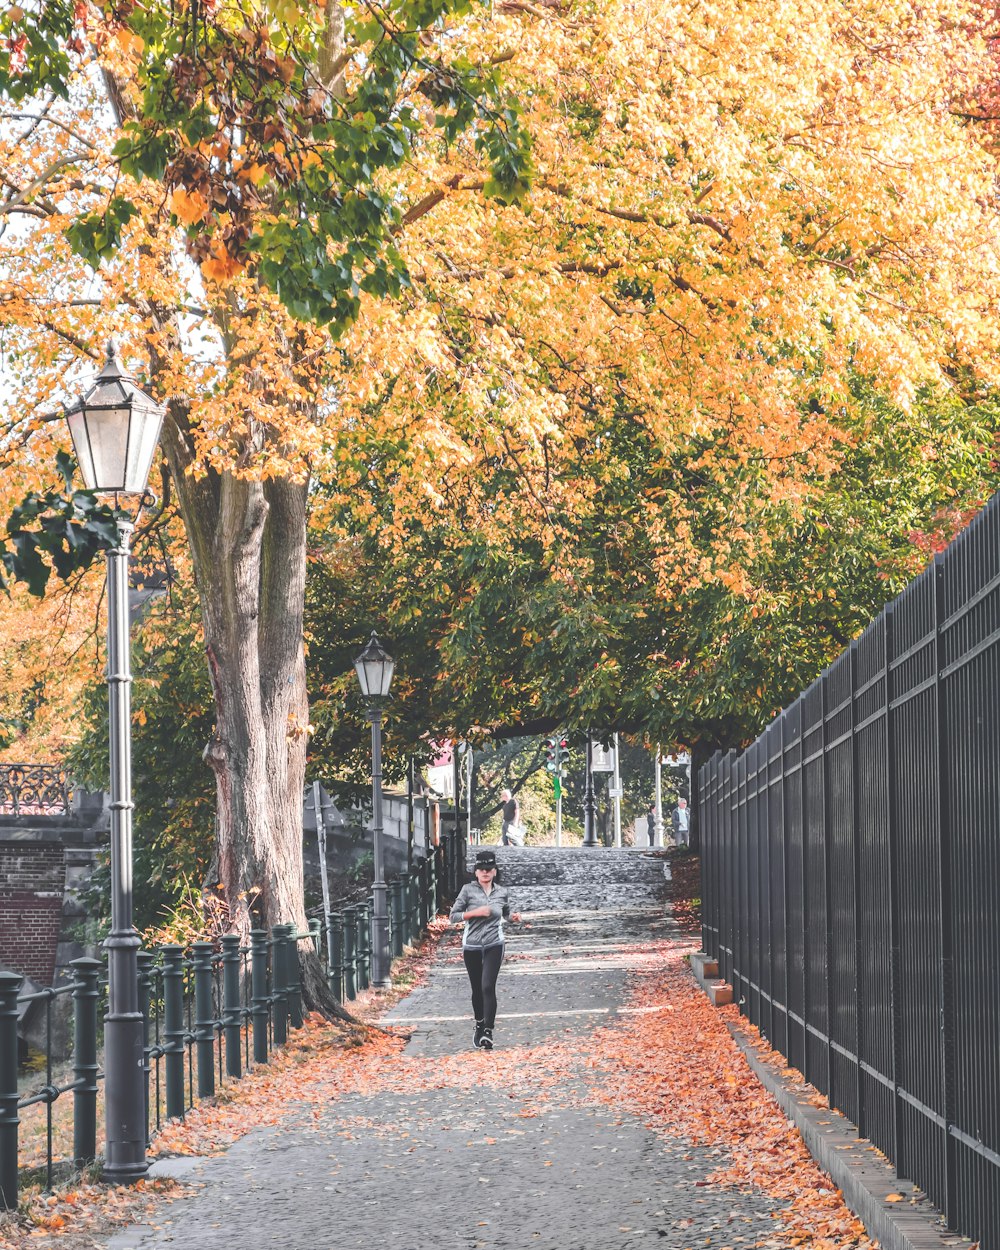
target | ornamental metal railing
[
  {"x": 850, "y": 863},
  {"x": 33, "y": 790},
  {"x": 211, "y": 1013}
]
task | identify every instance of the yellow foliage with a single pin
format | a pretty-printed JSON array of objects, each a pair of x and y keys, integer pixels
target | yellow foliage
[
  {"x": 735, "y": 205},
  {"x": 188, "y": 207},
  {"x": 220, "y": 266}
]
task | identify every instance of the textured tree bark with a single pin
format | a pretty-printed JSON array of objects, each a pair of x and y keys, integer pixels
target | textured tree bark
[{"x": 248, "y": 541}]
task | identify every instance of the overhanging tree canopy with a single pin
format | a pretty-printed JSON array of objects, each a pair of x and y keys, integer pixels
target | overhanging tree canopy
[{"x": 734, "y": 213}]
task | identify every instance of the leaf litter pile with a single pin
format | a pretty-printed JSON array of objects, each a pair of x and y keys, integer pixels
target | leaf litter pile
[{"x": 667, "y": 1059}]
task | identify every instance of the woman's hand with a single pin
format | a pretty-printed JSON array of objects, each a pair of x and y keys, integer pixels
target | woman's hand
[{"x": 515, "y": 918}]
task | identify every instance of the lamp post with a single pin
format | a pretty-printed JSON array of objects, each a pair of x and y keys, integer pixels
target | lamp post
[
  {"x": 616, "y": 794},
  {"x": 374, "y": 669},
  {"x": 115, "y": 428},
  {"x": 589, "y": 804}
]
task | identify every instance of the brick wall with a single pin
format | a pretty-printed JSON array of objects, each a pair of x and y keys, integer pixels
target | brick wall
[
  {"x": 29, "y": 934},
  {"x": 32, "y": 879}
]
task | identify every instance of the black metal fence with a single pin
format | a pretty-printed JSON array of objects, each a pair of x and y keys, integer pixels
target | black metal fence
[
  {"x": 851, "y": 864},
  {"x": 211, "y": 1013}
]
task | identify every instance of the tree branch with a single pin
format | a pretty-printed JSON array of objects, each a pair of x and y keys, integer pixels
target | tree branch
[
  {"x": 24, "y": 196},
  {"x": 52, "y": 121},
  {"x": 524, "y": 6},
  {"x": 82, "y": 347},
  {"x": 424, "y": 205}
]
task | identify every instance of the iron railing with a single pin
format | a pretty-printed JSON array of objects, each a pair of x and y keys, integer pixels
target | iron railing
[
  {"x": 414, "y": 898},
  {"x": 200, "y": 1009},
  {"x": 33, "y": 790},
  {"x": 210, "y": 1013},
  {"x": 850, "y": 864}
]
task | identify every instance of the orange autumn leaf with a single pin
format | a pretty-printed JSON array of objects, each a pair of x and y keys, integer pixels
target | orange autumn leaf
[
  {"x": 189, "y": 207},
  {"x": 220, "y": 266},
  {"x": 255, "y": 172}
]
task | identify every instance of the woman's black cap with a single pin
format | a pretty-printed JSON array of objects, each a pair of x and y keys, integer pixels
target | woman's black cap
[{"x": 486, "y": 859}]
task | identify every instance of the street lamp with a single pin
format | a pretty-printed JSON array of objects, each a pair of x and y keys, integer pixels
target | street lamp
[
  {"x": 589, "y": 803},
  {"x": 374, "y": 669},
  {"x": 115, "y": 428}
]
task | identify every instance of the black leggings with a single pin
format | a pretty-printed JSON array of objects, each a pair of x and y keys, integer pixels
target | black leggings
[{"x": 482, "y": 963}]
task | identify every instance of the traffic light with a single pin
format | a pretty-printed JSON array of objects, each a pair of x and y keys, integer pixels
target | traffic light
[{"x": 555, "y": 753}]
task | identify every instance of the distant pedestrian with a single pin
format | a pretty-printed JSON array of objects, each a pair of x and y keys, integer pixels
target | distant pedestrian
[
  {"x": 510, "y": 815},
  {"x": 483, "y": 906},
  {"x": 651, "y": 823},
  {"x": 682, "y": 823}
]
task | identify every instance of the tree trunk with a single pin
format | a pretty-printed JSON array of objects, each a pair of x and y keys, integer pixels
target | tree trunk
[
  {"x": 248, "y": 541},
  {"x": 248, "y": 545}
]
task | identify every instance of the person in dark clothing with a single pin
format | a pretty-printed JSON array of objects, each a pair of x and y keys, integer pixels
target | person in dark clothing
[
  {"x": 483, "y": 906},
  {"x": 509, "y": 814}
]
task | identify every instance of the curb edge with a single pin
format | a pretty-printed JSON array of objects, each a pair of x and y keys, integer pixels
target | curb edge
[{"x": 861, "y": 1173}]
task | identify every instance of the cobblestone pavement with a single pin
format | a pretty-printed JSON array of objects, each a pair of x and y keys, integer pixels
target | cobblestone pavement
[{"x": 513, "y": 1162}]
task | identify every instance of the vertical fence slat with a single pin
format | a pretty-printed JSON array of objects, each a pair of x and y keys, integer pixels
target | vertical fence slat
[
  {"x": 861, "y": 999},
  {"x": 293, "y": 976},
  {"x": 335, "y": 928},
  {"x": 350, "y": 955},
  {"x": 204, "y": 1018},
  {"x": 279, "y": 983},
  {"x": 946, "y": 983},
  {"x": 895, "y": 996}
]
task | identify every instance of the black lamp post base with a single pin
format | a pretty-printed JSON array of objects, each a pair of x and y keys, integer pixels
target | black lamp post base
[
  {"x": 125, "y": 1100},
  {"x": 381, "y": 952}
]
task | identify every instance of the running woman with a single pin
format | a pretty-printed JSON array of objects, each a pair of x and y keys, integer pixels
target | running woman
[{"x": 482, "y": 906}]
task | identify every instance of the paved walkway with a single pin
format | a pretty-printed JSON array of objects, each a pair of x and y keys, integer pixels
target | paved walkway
[{"x": 445, "y": 1146}]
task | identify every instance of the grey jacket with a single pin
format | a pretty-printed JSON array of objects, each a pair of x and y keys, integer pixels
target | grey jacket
[{"x": 482, "y": 930}]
